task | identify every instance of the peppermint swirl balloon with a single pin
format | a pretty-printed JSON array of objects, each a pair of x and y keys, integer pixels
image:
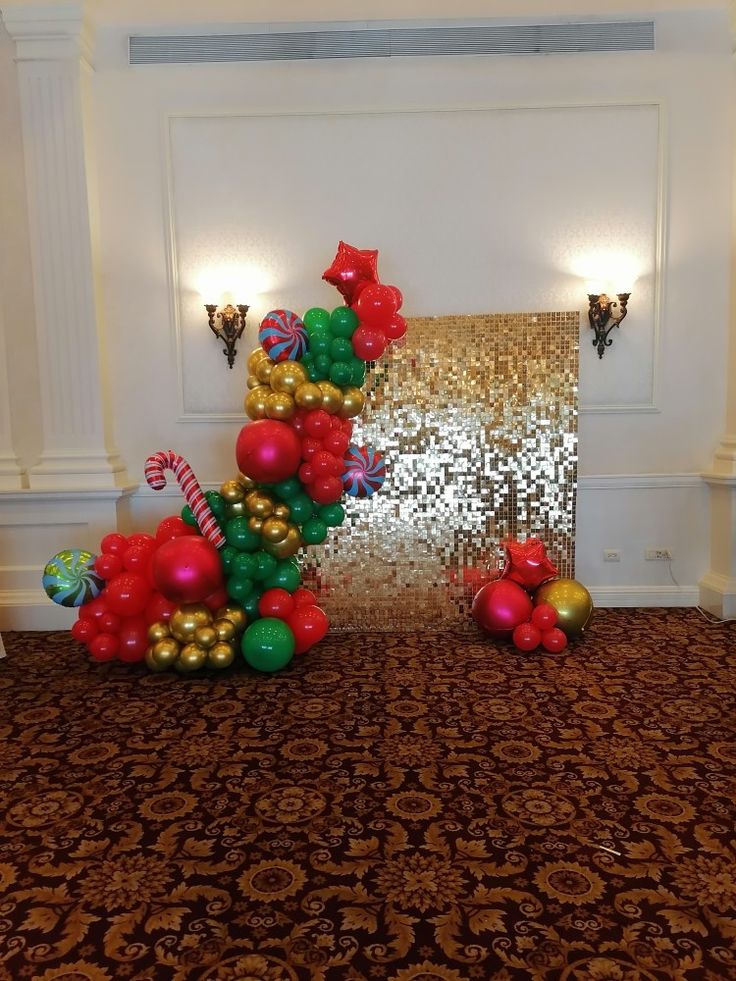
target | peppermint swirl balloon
[
  {"x": 283, "y": 336},
  {"x": 364, "y": 471},
  {"x": 69, "y": 578}
]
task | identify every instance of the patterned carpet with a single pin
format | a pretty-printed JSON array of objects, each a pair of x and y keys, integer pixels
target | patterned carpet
[{"x": 392, "y": 808}]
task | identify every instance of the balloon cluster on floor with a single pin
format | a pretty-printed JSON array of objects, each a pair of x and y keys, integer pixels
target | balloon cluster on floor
[
  {"x": 530, "y": 604},
  {"x": 224, "y": 575}
]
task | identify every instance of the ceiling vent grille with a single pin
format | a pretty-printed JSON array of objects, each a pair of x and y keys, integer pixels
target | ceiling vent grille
[{"x": 393, "y": 42}]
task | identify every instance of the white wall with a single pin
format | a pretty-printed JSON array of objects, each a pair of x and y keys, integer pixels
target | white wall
[{"x": 572, "y": 156}]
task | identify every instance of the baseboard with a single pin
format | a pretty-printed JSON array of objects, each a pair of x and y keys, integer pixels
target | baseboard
[
  {"x": 31, "y": 609},
  {"x": 645, "y": 595}
]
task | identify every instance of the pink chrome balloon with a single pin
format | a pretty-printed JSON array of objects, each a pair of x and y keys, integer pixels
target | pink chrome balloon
[
  {"x": 501, "y": 606},
  {"x": 268, "y": 451},
  {"x": 187, "y": 569}
]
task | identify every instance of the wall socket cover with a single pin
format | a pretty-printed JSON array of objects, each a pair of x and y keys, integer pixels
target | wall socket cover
[{"x": 657, "y": 554}]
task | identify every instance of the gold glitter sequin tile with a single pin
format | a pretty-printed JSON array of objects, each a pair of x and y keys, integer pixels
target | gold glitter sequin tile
[{"x": 477, "y": 419}]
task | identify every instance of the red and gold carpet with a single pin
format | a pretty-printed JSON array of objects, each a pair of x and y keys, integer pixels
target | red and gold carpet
[{"x": 418, "y": 807}]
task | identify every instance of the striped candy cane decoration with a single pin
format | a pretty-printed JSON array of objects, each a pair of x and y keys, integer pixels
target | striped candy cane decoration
[{"x": 193, "y": 494}]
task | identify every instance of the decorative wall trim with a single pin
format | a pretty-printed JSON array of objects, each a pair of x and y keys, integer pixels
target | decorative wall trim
[
  {"x": 639, "y": 481},
  {"x": 186, "y": 416},
  {"x": 607, "y": 596}
]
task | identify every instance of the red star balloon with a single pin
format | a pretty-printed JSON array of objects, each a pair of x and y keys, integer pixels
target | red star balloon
[
  {"x": 352, "y": 268},
  {"x": 527, "y": 563}
]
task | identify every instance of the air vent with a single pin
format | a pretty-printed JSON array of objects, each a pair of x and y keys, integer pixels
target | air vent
[{"x": 393, "y": 42}]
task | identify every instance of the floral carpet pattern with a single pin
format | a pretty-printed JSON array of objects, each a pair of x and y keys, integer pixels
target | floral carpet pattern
[{"x": 413, "y": 807}]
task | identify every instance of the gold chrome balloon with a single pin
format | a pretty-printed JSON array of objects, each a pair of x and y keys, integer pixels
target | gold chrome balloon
[
  {"x": 264, "y": 369},
  {"x": 205, "y": 637},
  {"x": 275, "y": 529},
  {"x": 572, "y": 601},
  {"x": 254, "y": 359},
  {"x": 237, "y": 509},
  {"x": 353, "y": 401},
  {"x": 308, "y": 396},
  {"x": 221, "y": 655},
  {"x": 287, "y": 376},
  {"x": 288, "y": 547},
  {"x": 280, "y": 406},
  {"x": 253, "y": 381},
  {"x": 255, "y": 402},
  {"x": 157, "y": 631},
  {"x": 191, "y": 658},
  {"x": 259, "y": 503},
  {"x": 151, "y": 664},
  {"x": 225, "y": 629},
  {"x": 282, "y": 511},
  {"x": 255, "y": 524},
  {"x": 331, "y": 397},
  {"x": 235, "y": 614},
  {"x": 187, "y": 618},
  {"x": 247, "y": 483},
  {"x": 232, "y": 491},
  {"x": 165, "y": 652}
]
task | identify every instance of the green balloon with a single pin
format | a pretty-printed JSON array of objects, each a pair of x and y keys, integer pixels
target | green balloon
[
  {"x": 302, "y": 508},
  {"x": 357, "y": 372},
  {"x": 217, "y": 503},
  {"x": 313, "y": 373},
  {"x": 238, "y": 588},
  {"x": 340, "y": 373},
  {"x": 307, "y": 359},
  {"x": 187, "y": 516},
  {"x": 341, "y": 349},
  {"x": 239, "y": 535},
  {"x": 333, "y": 515},
  {"x": 343, "y": 322},
  {"x": 286, "y": 576},
  {"x": 323, "y": 363},
  {"x": 244, "y": 565},
  {"x": 268, "y": 644},
  {"x": 227, "y": 557},
  {"x": 314, "y": 531},
  {"x": 316, "y": 318},
  {"x": 288, "y": 488},
  {"x": 250, "y": 605},
  {"x": 266, "y": 565},
  {"x": 320, "y": 342}
]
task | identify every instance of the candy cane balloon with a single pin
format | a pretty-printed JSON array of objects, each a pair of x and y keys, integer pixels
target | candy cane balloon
[{"x": 190, "y": 488}]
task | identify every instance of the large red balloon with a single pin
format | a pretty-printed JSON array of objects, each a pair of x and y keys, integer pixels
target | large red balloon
[
  {"x": 127, "y": 594},
  {"x": 501, "y": 606},
  {"x": 309, "y": 624},
  {"x": 187, "y": 569},
  {"x": 268, "y": 451},
  {"x": 369, "y": 343},
  {"x": 376, "y": 305}
]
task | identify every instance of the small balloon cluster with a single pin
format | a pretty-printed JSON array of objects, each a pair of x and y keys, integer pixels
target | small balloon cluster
[
  {"x": 530, "y": 603},
  {"x": 224, "y": 574}
]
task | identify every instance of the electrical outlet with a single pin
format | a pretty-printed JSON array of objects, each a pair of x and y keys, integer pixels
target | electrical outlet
[
  {"x": 657, "y": 554},
  {"x": 611, "y": 555}
]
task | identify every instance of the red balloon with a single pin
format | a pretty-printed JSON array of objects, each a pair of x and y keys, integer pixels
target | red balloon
[
  {"x": 132, "y": 640},
  {"x": 376, "y": 305},
  {"x": 137, "y": 557},
  {"x": 317, "y": 423},
  {"x": 143, "y": 539},
  {"x": 268, "y": 451},
  {"x": 303, "y": 597},
  {"x": 104, "y": 647},
  {"x": 310, "y": 446},
  {"x": 83, "y": 631},
  {"x": 398, "y": 296},
  {"x": 336, "y": 442},
  {"x": 323, "y": 464},
  {"x": 554, "y": 640},
  {"x": 113, "y": 544},
  {"x": 109, "y": 623},
  {"x": 306, "y": 474},
  {"x": 187, "y": 569},
  {"x": 527, "y": 637},
  {"x": 93, "y": 610},
  {"x": 325, "y": 490},
  {"x": 352, "y": 268},
  {"x": 395, "y": 328},
  {"x": 217, "y": 599},
  {"x": 309, "y": 624},
  {"x": 108, "y": 565},
  {"x": 297, "y": 421},
  {"x": 158, "y": 608},
  {"x": 500, "y": 606},
  {"x": 369, "y": 343},
  {"x": 544, "y": 616},
  {"x": 173, "y": 527},
  {"x": 527, "y": 563},
  {"x": 127, "y": 594},
  {"x": 276, "y": 603}
]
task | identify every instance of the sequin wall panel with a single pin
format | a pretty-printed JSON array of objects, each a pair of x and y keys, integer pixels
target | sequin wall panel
[{"x": 477, "y": 418}]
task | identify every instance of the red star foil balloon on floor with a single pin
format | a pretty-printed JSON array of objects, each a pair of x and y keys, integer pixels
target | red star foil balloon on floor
[{"x": 527, "y": 563}]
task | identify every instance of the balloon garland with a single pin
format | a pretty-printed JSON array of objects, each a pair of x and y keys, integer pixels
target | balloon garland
[{"x": 224, "y": 577}]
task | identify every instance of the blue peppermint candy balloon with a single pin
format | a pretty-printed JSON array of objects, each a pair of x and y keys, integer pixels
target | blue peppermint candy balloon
[{"x": 70, "y": 578}]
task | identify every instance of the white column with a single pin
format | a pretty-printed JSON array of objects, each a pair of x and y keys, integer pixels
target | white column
[
  {"x": 51, "y": 56},
  {"x": 11, "y": 476}
]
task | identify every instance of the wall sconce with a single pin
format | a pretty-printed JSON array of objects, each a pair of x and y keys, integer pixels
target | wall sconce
[
  {"x": 604, "y": 314},
  {"x": 232, "y": 321}
]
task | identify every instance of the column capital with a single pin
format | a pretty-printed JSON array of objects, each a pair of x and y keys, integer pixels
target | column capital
[{"x": 49, "y": 31}]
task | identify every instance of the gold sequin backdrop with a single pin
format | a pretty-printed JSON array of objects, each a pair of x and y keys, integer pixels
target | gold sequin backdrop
[{"x": 477, "y": 419}]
